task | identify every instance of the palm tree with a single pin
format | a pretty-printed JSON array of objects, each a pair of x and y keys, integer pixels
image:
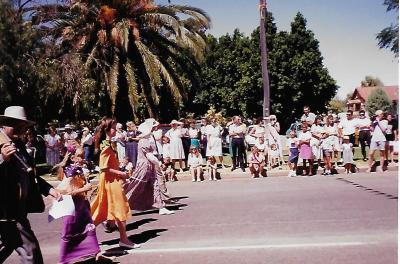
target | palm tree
[{"x": 130, "y": 43}]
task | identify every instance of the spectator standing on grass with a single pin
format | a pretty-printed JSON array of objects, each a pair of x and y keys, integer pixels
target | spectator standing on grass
[
  {"x": 305, "y": 149},
  {"x": 378, "y": 140},
  {"x": 70, "y": 137},
  {"x": 307, "y": 117},
  {"x": 131, "y": 142},
  {"x": 194, "y": 134},
  {"x": 177, "y": 152},
  {"x": 87, "y": 143},
  {"x": 203, "y": 136},
  {"x": 214, "y": 140},
  {"x": 316, "y": 132},
  {"x": 52, "y": 141},
  {"x": 390, "y": 133},
  {"x": 364, "y": 137},
  {"x": 293, "y": 145},
  {"x": 121, "y": 138},
  {"x": 347, "y": 127},
  {"x": 347, "y": 148},
  {"x": 236, "y": 132}
]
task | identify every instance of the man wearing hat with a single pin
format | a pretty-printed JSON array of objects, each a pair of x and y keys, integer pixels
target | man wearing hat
[
  {"x": 378, "y": 140},
  {"x": 20, "y": 189}
]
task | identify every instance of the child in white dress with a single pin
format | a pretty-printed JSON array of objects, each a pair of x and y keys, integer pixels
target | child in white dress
[
  {"x": 347, "y": 149},
  {"x": 212, "y": 168},
  {"x": 195, "y": 162}
]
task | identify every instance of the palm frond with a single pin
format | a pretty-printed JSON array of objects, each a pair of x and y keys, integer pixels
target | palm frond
[
  {"x": 131, "y": 78},
  {"x": 112, "y": 81}
]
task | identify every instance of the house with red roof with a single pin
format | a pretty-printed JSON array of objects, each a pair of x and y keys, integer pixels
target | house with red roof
[{"x": 360, "y": 95}]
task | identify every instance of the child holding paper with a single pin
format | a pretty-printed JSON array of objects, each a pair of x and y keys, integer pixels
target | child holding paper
[{"x": 78, "y": 237}]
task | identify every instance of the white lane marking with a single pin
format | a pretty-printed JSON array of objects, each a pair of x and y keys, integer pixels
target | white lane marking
[{"x": 243, "y": 247}]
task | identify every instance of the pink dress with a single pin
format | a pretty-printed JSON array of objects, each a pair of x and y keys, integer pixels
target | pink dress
[{"x": 143, "y": 189}]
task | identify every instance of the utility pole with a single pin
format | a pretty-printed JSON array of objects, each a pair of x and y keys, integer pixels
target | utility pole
[{"x": 264, "y": 63}]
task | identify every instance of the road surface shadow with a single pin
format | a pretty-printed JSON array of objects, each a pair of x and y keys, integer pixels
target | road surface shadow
[
  {"x": 175, "y": 207},
  {"x": 370, "y": 190},
  {"x": 136, "y": 224},
  {"x": 141, "y": 238}
]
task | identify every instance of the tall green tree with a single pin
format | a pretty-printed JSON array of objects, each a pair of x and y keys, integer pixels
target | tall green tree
[
  {"x": 232, "y": 73},
  {"x": 388, "y": 38},
  {"x": 138, "y": 49},
  {"x": 378, "y": 100},
  {"x": 370, "y": 81}
]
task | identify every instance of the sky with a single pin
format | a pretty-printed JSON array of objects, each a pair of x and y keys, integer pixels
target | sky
[{"x": 346, "y": 30}]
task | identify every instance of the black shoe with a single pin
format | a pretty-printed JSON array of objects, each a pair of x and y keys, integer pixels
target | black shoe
[
  {"x": 243, "y": 170},
  {"x": 109, "y": 228},
  {"x": 233, "y": 168}
]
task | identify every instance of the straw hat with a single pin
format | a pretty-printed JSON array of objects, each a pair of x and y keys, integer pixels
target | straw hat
[
  {"x": 175, "y": 122},
  {"x": 346, "y": 137},
  {"x": 15, "y": 116}
]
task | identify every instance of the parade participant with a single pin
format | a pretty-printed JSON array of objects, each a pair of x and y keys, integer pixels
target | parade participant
[
  {"x": 78, "y": 237},
  {"x": 364, "y": 137},
  {"x": 20, "y": 190},
  {"x": 110, "y": 203},
  {"x": 143, "y": 189}
]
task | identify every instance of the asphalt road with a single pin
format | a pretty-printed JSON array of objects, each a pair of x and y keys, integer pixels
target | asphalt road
[{"x": 319, "y": 219}]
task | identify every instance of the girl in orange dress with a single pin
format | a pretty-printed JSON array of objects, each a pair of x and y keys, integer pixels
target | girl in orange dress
[{"x": 110, "y": 203}]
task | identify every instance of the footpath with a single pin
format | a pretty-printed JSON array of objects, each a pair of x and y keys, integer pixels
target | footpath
[{"x": 226, "y": 173}]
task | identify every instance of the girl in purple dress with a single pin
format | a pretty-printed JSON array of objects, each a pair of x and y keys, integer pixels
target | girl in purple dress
[{"x": 78, "y": 237}]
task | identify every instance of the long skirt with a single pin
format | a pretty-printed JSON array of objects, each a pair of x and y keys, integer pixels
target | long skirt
[
  {"x": 78, "y": 237},
  {"x": 52, "y": 156},
  {"x": 306, "y": 152},
  {"x": 131, "y": 151},
  {"x": 143, "y": 189}
]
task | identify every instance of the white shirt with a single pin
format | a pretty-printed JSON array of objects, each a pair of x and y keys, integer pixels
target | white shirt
[
  {"x": 309, "y": 118},
  {"x": 259, "y": 131},
  {"x": 70, "y": 136},
  {"x": 166, "y": 150},
  {"x": 348, "y": 126},
  {"x": 212, "y": 131},
  {"x": 51, "y": 141},
  {"x": 88, "y": 140},
  {"x": 238, "y": 129},
  {"x": 259, "y": 146},
  {"x": 316, "y": 129},
  {"x": 194, "y": 161},
  {"x": 305, "y": 136},
  {"x": 378, "y": 135},
  {"x": 292, "y": 142},
  {"x": 364, "y": 122},
  {"x": 193, "y": 132}
]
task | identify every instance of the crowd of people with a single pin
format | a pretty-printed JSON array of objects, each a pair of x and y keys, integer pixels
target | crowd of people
[
  {"x": 134, "y": 165},
  {"x": 327, "y": 140}
]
